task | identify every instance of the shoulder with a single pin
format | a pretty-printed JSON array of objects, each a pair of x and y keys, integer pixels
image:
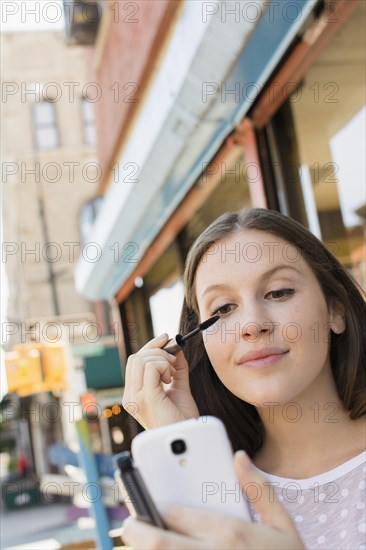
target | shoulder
[{"x": 354, "y": 467}]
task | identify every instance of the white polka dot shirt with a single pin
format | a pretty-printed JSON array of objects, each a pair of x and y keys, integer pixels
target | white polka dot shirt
[{"x": 328, "y": 509}]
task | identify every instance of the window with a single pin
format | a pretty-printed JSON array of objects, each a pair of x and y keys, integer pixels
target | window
[
  {"x": 45, "y": 126},
  {"x": 316, "y": 146},
  {"x": 87, "y": 111},
  {"x": 87, "y": 215},
  {"x": 166, "y": 305},
  {"x": 330, "y": 126}
]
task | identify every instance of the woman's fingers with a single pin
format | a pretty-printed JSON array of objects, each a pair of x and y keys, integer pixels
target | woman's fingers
[
  {"x": 157, "y": 342},
  {"x": 158, "y": 364},
  {"x": 157, "y": 385},
  {"x": 197, "y": 528},
  {"x": 261, "y": 493},
  {"x": 141, "y": 535},
  {"x": 181, "y": 375},
  {"x": 196, "y": 522},
  {"x": 155, "y": 372},
  {"x": 137, "y": 364}
]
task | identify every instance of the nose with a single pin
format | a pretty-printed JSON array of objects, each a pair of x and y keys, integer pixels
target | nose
[
  {"x": 254, "y": 330},
  {"x": 256, "y": 325}
]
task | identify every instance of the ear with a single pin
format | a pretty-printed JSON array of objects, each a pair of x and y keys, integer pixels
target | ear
[{"x": 337, "y": 317}]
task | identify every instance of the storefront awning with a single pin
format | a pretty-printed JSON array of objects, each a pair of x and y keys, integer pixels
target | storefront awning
[{"x": 211, "y": 74}]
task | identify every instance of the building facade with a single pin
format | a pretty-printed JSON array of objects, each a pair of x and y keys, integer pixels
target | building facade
[
  {"x": 237, "y": 105},
  {"x": 200, "y": 107},
  {"x": 49, "y": 168}
]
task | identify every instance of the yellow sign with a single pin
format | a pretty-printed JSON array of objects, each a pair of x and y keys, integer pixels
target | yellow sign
[
  {"x": 54, "y": 362},
  {"x": 23, "y": 371},
  {"x": 34, "y": 368}
]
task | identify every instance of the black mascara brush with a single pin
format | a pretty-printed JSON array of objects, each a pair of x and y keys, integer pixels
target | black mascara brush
[{"x": 176, "y": 344}]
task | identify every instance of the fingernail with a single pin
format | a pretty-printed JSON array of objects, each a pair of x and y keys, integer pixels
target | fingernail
[
  {"x": 173, "y": 357},
  {"x": 162, "y": 336}
]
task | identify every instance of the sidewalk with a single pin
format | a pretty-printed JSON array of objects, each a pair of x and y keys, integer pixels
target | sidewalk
[{"x": 44, "y": 528}]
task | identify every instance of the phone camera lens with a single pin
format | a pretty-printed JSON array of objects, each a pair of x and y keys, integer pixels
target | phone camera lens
[{"x": 178, "y": 446}]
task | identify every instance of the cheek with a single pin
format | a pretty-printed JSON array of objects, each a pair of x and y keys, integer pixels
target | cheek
[
  {"x": 292, "y": 332},
  {"x": 316, "y": 327},
  {"x": 218, "y": 353},
  {"x": 306, "y": 323},
  {"x": 229, "y": 377}
]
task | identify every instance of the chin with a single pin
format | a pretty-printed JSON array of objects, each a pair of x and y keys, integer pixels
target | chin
[{"x": 262, "y": 400}]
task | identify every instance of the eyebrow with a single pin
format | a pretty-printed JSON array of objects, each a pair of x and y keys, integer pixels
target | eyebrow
[{"x": 264, "y": 276}]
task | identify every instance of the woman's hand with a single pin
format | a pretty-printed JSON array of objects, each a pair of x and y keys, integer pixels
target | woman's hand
[
  {"x": 157, "y": 388},
  {"x": 196, "y": 529}
]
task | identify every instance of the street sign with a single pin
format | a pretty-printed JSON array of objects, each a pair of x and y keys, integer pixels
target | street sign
[
  {"x": 105, "y": 465},
  {"x": 61, "y": 455}
]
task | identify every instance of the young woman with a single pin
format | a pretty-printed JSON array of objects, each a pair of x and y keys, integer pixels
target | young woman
[{"x": 284, "y": 368}]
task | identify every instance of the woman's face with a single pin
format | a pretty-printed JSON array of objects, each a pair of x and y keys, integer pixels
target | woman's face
[{"x": 272, "y": 340}]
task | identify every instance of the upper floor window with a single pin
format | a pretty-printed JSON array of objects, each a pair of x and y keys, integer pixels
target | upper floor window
[
  {"x": 87, "y": 215},
  {"x": 45, "y": 125},
  {"x": 87, "y": 111}
]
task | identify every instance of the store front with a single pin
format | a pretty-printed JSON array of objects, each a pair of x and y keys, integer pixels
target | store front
[
  {"x": 285, "y": 131},
  {"x": 307, "y": 161},
  {"x": 314, "y": 145},
  {"x": 163, "y": 282}
]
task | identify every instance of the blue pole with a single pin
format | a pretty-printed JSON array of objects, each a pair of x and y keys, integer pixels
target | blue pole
[{"x": 87, "y": 461}]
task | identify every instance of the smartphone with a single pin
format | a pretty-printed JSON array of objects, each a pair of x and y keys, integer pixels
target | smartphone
[
  {"x": 135, "y": 494},
  {"x": 191, "y": 463}
]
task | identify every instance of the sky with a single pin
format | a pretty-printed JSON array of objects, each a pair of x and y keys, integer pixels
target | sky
[{"x": 29, "y": 15}]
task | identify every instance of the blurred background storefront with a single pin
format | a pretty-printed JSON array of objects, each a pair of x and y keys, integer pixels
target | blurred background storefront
[
  {"x": 222, "y": 105},
  {"x": 127, "y": 133}
]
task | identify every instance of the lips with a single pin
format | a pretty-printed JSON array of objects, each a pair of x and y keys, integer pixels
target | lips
[{"x": 261, "y": 357}]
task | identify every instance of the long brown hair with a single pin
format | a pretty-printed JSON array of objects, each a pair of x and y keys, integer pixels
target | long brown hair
[{"x": 347, "y": 350}]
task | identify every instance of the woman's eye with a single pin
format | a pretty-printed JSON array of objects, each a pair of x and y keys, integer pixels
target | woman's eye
[
  {"x": 281, "y": 293},
  {"x": 223, "y": 310}
]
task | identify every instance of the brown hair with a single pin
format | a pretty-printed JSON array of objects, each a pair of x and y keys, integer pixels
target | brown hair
[{"x": 347, "y": 350}]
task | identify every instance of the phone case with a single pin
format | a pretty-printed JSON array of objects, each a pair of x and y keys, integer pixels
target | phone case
[
  {"x": 136, "y": 496},
  {"x": 201, "y": 476}
]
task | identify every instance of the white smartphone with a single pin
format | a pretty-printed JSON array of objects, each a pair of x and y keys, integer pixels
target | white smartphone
[{"x": 191, "y": 463}]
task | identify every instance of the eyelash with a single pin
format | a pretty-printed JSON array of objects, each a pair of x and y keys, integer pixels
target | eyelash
[
  {"x": 285, "y": 291},
  {"x": 217, "y": 310}
]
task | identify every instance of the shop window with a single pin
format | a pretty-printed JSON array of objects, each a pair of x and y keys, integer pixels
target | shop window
[
  {"x": 164, "y": 282},
  {"x": 166, "y": 306},
  {"x": 45, "y": 125},
  {"x": 230, "y": 193},
  {"x": 317, "y": 138},
  {"x": 119, "y": 428},
  {"x": 87, "y": 113},
  {"x": 155, "y": 304}
]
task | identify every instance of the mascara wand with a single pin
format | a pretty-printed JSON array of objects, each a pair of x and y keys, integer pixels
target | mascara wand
[{"x": 177, "y": 344}]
